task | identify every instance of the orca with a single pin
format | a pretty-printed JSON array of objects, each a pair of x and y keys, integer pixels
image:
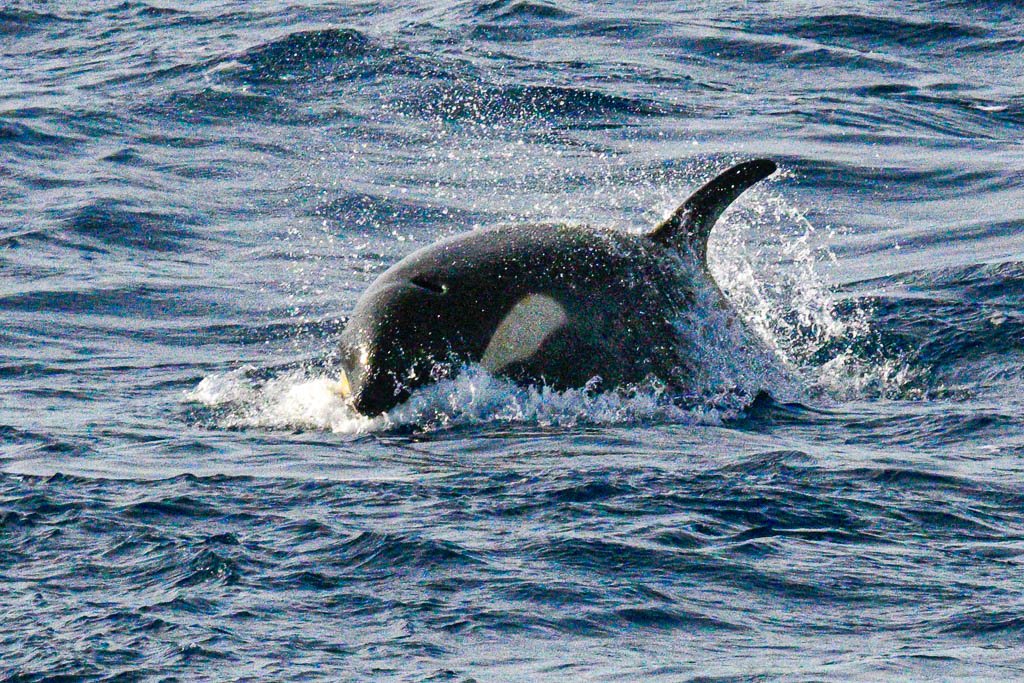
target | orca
[{"x": 566, "y": 306}]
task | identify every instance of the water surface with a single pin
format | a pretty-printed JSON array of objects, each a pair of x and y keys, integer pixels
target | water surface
[{"x": 194, "y": 195}]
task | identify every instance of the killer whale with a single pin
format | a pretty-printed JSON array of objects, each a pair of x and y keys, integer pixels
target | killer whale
[{"x": 553, "y": 304}]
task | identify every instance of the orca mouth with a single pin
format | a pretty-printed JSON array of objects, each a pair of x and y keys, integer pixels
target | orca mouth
[
  {"x": 375, "y": 400},
  {"x": 342, "y": 387},
  {"x": 368, "y": 396}
]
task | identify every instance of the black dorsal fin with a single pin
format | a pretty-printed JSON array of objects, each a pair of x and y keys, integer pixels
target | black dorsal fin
[{"x": 690, "y": 225}]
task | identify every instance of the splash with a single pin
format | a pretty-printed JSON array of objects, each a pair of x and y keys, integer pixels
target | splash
[
  {"x": 767, "y": 258},
  {"x": 293, "y": 400},
  {"x": 306, "y": 400}
]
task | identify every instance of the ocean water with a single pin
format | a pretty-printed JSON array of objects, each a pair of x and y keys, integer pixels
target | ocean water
[{"x": 193, "y": 196}]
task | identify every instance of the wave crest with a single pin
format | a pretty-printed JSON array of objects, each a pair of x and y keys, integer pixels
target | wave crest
[{"x": 303, "y": 55}]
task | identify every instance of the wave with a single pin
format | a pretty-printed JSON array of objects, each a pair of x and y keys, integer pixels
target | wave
[
  {"x": 485, "y": 103},
  {"x": 964, "y": 325},
  {"x": 871, "y": 32},
  {"x": 18, "y": 21},
  {"x": 143, "y": 301},
  {"x": 110, "y": 224},
  {"x": 517, "y": 20},
  {"x": 904, "y": 182},
  {"x": 450, "y": 89},
  {"x": 217, "y": 105},
  {"x": 306, "y": 56},
  {"x": 386, "y": 214},
  {"x": 521, "y": 9},
  {"x": 28, "y": 138},
  {"x": 512, "y": 21}
]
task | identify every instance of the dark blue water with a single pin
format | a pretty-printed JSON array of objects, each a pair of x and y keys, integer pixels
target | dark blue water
[{"x": 193, "y": 196}]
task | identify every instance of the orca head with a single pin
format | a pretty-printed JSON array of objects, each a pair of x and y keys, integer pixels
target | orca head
[
  {"x": 425, "y": 318},
  {"x": 403, "y": 334}
]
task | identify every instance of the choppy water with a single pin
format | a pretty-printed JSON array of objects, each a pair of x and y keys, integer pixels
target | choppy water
[{"x": 193, "y": 195}]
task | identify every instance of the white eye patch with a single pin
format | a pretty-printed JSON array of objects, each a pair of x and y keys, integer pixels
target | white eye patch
[{"x": 520, "y": 335}]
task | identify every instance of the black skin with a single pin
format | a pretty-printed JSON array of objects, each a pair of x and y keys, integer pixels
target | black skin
[{"x": 439, "y": 307}]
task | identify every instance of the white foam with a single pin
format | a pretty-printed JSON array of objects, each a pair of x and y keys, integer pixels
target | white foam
[
  {"x": 306, "y": 401},
  {"x": 295, "y": 400}
]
